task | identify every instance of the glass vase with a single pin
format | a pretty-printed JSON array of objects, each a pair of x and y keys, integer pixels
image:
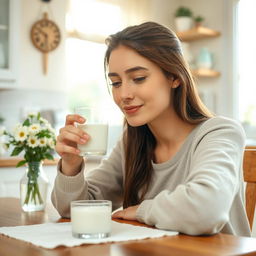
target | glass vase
[{"x": 33, "y": 188}]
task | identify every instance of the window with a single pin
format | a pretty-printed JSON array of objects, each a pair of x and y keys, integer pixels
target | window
[
  {"x": 246, "y": 65},
  {"x": 88, "y": 23},
  {"x": 86, "y": 80},
  {"x": 85, "y": 51}
]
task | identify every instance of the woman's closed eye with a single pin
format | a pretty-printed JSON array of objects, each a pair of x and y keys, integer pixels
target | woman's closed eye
[
  {"x": 116, "y": 84},
  {"x": 139, "y": 79},
  {"x": 136, "y": 80}
]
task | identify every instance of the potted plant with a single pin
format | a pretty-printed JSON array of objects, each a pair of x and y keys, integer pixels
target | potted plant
[
  {"x": 35, "y": 137},
  {"x": 198, "y": 20},
  {"x": 183, "y": 19}
]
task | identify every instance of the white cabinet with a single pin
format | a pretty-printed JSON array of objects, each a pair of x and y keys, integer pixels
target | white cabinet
[{"x": 9, "y": 42}]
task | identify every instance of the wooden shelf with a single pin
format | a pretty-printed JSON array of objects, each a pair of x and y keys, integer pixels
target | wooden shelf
[
  {"x": 203, "y": 72},
  {"x": 197, "y": 33}
]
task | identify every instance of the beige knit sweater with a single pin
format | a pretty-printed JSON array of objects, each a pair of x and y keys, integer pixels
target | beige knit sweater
[{"x": 198, "y": 191}]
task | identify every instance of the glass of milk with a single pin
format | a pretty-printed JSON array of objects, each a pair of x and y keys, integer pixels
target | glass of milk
[
  {"x": 96, "y": 126},
  {"x": 91, "y": 219}
]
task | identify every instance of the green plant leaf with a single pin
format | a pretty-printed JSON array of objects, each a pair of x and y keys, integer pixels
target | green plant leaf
[
  {"x": 48, "y": 156},
  {"x": 20, "y": 163},
  {"x": 183, "y": 12},
  {"x": 38, "y": 115},
  {"x": 199, "y": 18},
  {"x": 1, "y": 120},
  {"x": 26, "y": 123},
  {"x": 16, "y": 151}
]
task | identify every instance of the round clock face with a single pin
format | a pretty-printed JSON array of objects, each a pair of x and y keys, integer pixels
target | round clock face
[{"x": 45, "y": 35}]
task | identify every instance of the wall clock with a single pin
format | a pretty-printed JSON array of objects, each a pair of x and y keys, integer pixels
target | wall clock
[{"x": 45, "y": 36}]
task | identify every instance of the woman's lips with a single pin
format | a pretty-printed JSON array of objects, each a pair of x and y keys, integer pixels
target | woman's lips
[{"x": 131, "y": 109}]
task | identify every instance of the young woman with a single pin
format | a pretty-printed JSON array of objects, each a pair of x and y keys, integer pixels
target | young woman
[{"x": 177, "y": 167}]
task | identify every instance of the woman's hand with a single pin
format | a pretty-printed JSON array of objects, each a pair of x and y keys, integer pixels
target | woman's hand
[
  {"x": 126, "y": 214},
  {"x": 66, "y": 145}
]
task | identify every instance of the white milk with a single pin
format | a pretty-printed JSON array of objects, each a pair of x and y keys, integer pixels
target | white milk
[
  {"x": 97, "y": 144},
  {"x": 91, "y": 219}
]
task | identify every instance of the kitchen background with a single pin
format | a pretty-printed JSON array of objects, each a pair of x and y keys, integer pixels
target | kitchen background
[
  {"x": 26, "y": 60},
  {"x": 75, "y": 67},
  {"x": 24, "y": 87}
]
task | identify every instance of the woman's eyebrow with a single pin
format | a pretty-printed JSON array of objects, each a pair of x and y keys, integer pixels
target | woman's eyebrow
[{"x": 130, "y": 70}]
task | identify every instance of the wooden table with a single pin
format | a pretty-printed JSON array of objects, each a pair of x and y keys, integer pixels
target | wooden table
[{"x": 180, "y": 245}]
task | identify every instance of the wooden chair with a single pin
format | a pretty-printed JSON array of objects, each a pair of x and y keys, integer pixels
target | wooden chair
[{"x": 249, "y": 167}]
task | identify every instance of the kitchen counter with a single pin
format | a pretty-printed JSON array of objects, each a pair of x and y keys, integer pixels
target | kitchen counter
[
  {"x": 10, "y": 175},
  {"x": 12, "y": 161}
]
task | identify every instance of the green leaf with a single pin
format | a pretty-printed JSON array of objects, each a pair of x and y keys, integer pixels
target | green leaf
[
  {"x": 48, "y": 156},
  {"x": 20, "y": 163},
  {"x": 16, "y": 151},
  {"x": 38, "y": 115},
  {"x": 26, "y": 122}
]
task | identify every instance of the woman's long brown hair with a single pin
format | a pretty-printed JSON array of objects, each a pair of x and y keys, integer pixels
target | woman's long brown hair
[{"x": 161, "y": 46}]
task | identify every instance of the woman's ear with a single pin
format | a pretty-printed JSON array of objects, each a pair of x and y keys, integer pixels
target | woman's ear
[{"x": 175, "y": 83}]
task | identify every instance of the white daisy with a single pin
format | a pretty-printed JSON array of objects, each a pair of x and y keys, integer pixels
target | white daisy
[
  {"x": 33, "y": 141},
  {"x": 51, "y": 143},
  {"x": 21, "y": 133},
  {"x": 43, "y": 120},
  {"x": 42, "y": 142},
  {"x": 53, "y": 131},
  {"x": 32, "y": 114},
  {"x": 16, "y": 127},
  {"x": 34, "y": 128},
  {"x": 49, "y": 127}
]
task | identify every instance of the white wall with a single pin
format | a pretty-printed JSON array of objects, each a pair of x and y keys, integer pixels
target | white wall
[
  {"x": 34, "y": 90},
  {"x": 218, "y": 16},
  {"x": 162, "y": 11},
  {"x": 16, "y": 104},
  {"x": 30, "y": 59}
]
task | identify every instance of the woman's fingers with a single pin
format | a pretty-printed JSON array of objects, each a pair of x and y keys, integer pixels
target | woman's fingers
[
  {"x": 71, "y": 134},
  {"x": 119, "y": 214},
  {"x": 68, "y": 138},
  {"x": 127, "y": 213},
  {"x": 63, "y": 149},
  {"x": 71, "y": 119},
  {"x": 77, "y": 136},
  {"x": 72, "y": 129}
]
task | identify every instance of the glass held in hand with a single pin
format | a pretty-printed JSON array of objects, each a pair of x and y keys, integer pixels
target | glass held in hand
[{"x": 97, "y": 128}]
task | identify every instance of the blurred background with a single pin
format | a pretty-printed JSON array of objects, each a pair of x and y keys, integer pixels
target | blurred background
[{"x": 75, "y": 68}]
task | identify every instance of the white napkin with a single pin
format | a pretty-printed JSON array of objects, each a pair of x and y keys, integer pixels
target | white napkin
[{"x": 51, "y": 235}]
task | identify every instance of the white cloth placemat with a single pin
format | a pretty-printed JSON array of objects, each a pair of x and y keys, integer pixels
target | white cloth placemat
[{"x": 51, "y": 235}]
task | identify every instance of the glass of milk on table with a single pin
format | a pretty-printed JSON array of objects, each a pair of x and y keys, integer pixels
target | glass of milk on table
[
  {"x": 91, "y": 219},
  {"x": 96, "y": 126}
]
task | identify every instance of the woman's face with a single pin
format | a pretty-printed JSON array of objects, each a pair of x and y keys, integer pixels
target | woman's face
[{"x": 139, "y": 87}]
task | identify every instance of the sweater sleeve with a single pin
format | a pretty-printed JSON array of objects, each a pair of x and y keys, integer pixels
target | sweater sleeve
[
  {"x": 201, "y": 205},
  {"x": 104, "y": 182}
]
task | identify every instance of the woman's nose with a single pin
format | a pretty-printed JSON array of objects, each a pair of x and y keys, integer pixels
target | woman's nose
[{"x": 126, "y": 92}]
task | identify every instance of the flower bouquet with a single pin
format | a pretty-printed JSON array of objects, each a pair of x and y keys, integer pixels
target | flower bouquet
[{"x": 36, "y": 139}]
